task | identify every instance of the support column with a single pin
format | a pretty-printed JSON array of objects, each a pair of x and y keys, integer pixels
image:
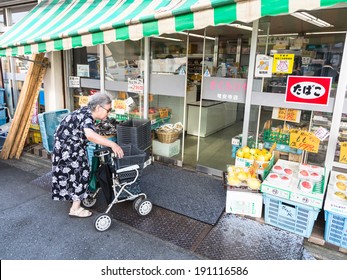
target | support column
[{"x": 54, "y": 92}]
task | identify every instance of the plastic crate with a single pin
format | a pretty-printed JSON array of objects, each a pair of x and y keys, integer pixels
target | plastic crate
[
  {"x": 290, "y": 216},
  {"x": 48, "y": 122},
  {"x": 273, "y": 136},
  {"x": 34, "y": 137},
  {"x": 3, "y": 110},
  {"x": 2, "y": 95},
  {"x": 335, "y": 231},
  {"x": 2, "y": 121},
  {"x": 136, "y": 132}
]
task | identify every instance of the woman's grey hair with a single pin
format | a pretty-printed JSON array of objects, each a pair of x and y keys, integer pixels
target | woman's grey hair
[{"x": 99, "y": 98}]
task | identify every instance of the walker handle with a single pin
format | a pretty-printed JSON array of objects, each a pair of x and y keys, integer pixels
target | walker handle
[{"x": 102, "y": 151}]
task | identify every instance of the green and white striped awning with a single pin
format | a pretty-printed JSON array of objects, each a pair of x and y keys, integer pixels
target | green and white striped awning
[{"x": 60, "y": 25}]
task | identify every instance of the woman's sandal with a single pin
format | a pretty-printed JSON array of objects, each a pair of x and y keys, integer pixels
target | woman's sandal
[{"x": 80, "y": 213}]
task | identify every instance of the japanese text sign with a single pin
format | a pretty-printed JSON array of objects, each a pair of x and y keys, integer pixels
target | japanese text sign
[
  {"x": 135, "y": 85},
  {"x": 283, "y": 63},
  {"x": 304, "y": 140},
  {"x": 343, "y": 152},
  {"x": 286, "y": 114},
  {"x": 308, "y": 90},
  {"x": 263, "y": 66}
]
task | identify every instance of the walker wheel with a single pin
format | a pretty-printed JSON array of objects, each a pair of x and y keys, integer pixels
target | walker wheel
[
  {"x": 89, "y": 202},
  {"x": 102, "y": 222},
  {"x": 137, "y": 202},
  {"x": 144, "y": 208}
]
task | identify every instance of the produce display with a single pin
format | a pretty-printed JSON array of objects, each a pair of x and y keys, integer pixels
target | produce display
[
  {"x": 336, "y": 199},
  {"x": 242, "y": 176},
  {"x": 254, "y": 154},
  {"x": 301, "y": 183}
]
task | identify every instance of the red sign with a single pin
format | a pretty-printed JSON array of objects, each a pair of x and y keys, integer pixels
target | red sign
[{"x": 309, "y": 90}]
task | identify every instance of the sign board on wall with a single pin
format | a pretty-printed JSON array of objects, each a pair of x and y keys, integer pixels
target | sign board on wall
[
  {"x": 285, "y": 114},
  {"x": 304, "y": 140},
  {"x": 308, "y": 90}
]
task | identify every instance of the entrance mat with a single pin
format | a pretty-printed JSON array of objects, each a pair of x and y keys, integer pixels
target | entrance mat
[{"x": 196, "y": 195}]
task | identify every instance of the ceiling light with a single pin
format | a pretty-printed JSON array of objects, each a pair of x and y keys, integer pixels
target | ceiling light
[
  {"x": 280, "y": 35},
  {"x": 241, "y": 26},
  {"x": 167, "y": 38},
  {"x": 323, "y": 33},
  {"x": 311, "y": 19},
  {"x": 196, "y": 35}
]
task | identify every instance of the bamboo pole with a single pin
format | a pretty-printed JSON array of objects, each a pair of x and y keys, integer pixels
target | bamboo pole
[{"x": 6, "y": 149}]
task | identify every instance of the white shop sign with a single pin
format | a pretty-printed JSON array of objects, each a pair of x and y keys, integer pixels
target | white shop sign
[
  {"x": 135, "y": 85},
  {"x": 74, "y": 82}
]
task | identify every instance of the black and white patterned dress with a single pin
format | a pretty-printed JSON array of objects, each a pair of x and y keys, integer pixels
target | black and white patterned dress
[{"x": 70, "y": 168}]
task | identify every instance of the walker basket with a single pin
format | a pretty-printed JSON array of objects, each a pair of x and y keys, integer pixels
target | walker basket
[{"x": 167, "y": 136}]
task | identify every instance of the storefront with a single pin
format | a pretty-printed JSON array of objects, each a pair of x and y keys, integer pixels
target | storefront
[{"x": 233, "y": 73}]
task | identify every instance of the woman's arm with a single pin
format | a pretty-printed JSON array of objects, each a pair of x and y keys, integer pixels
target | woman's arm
[{"x": 98, "y": 139}]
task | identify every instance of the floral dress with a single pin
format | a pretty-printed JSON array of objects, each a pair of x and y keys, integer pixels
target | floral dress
[{"x": 70, "y": 167}]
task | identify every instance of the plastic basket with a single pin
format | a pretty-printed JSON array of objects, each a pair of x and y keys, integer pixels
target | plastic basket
[
  {"x": 48, "y": 122},
  {"x": 136, "y": 132},
  {"x": 335, "y": 231},
  {"x": 2, "y": 121},
  {"x": 290, "y": 216},
  {"x": 132, "y": 155},
  {"x": 167, "y": 137}
]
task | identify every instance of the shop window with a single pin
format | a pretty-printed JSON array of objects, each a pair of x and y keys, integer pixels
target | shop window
[
  {"x": 306, "y": 56},
  {"x": 124, "y": 60},
  {"x": 86, "y": 62}
]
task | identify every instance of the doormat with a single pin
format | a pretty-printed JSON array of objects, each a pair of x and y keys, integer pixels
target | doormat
[{"x": 196, "y": 195}]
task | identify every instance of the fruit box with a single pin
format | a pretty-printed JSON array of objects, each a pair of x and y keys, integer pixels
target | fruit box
[
  {"x": 333, "y": 203},
  {"x": 291, "y": 190},
  {"x": 264, "y": 166}
]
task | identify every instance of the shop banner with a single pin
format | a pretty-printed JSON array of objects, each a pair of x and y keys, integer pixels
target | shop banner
[
  {"x": 304, "y": 140},
  {"x": 285, "y": 114},
  {"x": 308, "y": 90},
  {"x": 283, "y": 63},
  {"x": 343, "y": 152},
  {"x": 135, "y": 85},
  {"x": 263, "y": 66}
]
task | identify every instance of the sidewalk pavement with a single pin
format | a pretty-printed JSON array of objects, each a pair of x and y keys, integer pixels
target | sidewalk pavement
[
  {"x": 33, "y": 227},
  {"x": 29, "y": 220}
]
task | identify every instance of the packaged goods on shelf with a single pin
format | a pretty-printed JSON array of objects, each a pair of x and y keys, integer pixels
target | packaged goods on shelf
[{"x": 296, "y": 182}]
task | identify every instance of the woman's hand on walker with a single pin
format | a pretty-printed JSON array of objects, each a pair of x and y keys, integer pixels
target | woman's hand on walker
[{"x": 117, "y": 150}]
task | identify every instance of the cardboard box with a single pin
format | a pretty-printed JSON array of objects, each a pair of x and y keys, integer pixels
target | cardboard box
[
  {"x": 244, "y": 203},
  {"x": 292, "y": 190},
  {"x": 166, "y": 149}
]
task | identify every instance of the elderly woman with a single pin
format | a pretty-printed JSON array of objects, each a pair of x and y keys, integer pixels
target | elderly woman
[{"x": 70, "y": 168}]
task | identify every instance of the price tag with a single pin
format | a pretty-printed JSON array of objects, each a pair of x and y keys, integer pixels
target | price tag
[
  {"x": 343, "y": 152},
  {"x": 304, "y": 140},
  {"x": 322, "y": 133}
]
